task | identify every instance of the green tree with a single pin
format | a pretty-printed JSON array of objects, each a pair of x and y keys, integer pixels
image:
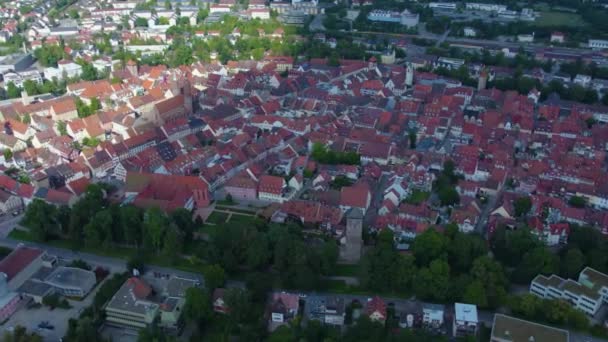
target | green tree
[
  {"x": 8, "y": 154},
  {"x": 377, "y": 266},
  {"x": 572, "y": 263},
  {"x": 62, "y": 127},
  {"x": 172, "y": 244},
  {"x": 197, "y": 306},
  {"x": 39, "y": 218},
  {"x": 12, "y": 91},
  {"x": 89, "y": 73},
  {"x": 577, "y": 201},
  {"x": 73, "y": 13},
  {"x": 428, "y": 246},
  {"x": 522, "y": 206},
  {"x": 20, "y": 334},
  {"x": 154, "y": 225},
  {"x": 491, "y": 275},
  {"x": 432, "y": 283},
  {"x": 463, "y": 250},
  {"x": 214, "y": 276},
  {"x": 475, "y": 293},
  {"x": 182, "y": 218},
  {"x": 537, "y": 261},
  {"x": 141, "y": 22},
  {"x": 259, "y": 252},
  {"x": 30, "y": 87},
  {"x": 448, "y": 196}
]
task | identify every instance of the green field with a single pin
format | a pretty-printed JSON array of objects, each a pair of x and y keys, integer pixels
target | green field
[
  {"x": 217, "y": 217},
  {"x": 241, "y": 218},
  {"x": 553, "y": 18},
  {"x": 344, "y": 270},
  {"x": 183, "y": 264}
]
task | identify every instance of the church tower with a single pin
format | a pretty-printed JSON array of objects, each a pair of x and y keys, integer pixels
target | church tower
[{"x": 409, "y": 74}]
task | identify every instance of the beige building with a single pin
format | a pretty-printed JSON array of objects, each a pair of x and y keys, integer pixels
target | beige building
[
  {"x": 587, "y": 294},
  {"x": 137, "y": 305},
  {"x": 510, "y": 329}
]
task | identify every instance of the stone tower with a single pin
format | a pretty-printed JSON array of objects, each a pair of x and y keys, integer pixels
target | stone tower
[
  {"x": 483, "y": 79},
  {"x": 409, "y": 74},
  {"x": 187, "y": 92},
  {"x": 351, "y": 251}
]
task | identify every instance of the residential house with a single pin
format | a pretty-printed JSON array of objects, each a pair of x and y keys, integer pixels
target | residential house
[
  {"x": 283, "y": 307},
  {"x": 375, "y": 309},
  {"x": 272, "y": 189},
  {"x": 465, "y": 320}
]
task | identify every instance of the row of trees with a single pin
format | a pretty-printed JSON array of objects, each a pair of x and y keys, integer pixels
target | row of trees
[
  {"x": 279, "y": 249},
  {"x": 442, "y": 267},
  {"x": 94, "y": 222},
  {"x": 526, "y": 256}
]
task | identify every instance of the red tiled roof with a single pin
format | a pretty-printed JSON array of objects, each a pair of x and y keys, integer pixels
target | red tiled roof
[
  {"x": 18, "y": 260},
  {"x": 139, "y": 288},
  {"x": 376, "y": 304},
  {"x": 354, "y": 196},
  {"x": 271, "y": 184}
]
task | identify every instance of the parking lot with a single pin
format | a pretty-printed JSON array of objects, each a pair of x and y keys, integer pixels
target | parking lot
[{"x": 30, "y": 318}]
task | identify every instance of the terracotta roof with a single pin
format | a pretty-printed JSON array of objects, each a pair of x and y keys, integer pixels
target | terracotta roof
[
  {"x": 354, "y": 196},
  {"x": 18, "y": 260},
  {"x": 271, "y": 184},
  {"x": 64, "y": 106},
  {"x": 139, "y": 288}
]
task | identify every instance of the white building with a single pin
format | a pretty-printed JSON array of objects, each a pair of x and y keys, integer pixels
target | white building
[
  {"x": 525, "y": 38},
  {"x": 473, "y": 6},
  {"x": 404, "y": 18},
  {"x": 587, "y": 295},
  {"x": 583, "y": 80},
  {"x": 598, "y": 44},
  {"x": 470, "y": 32},
  {"x": 18, "y": 78},
  {"x": 450, "y": 6},
  {"x": 432, "y": 315},
  {"x": 465, "y": 319},
  {"x": 65, "y": 69},
  {"x": 260, "y": 13},
  {"x": 557, "y": 37}
]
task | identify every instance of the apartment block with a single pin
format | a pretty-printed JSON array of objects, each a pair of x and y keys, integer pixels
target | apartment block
[{"x": 587, "y": 294}]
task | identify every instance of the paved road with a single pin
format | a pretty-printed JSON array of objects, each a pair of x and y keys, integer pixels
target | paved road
[{"x": 482, "y": 224}]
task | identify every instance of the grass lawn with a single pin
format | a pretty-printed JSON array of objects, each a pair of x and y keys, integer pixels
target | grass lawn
[
  {"x": 240, "y": 211},
  {"x": 417, "y": 197},
  {"x": 217, "y": 218},
  {"x": 344, "y": 270},
  {"x": 238, "y": 218},
  {"x": 114, "y": 251},
  {"x": 183, "y": 264},
  {"x": 553, "y": 18}
]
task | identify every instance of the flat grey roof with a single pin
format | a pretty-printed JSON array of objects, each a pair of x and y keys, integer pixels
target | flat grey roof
[
  {"x": 34, "y": 288},
  {"x": 72, "y": 277},
  {"x": 176, "y": 287},
  {"x": 517, "y": 330}
]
